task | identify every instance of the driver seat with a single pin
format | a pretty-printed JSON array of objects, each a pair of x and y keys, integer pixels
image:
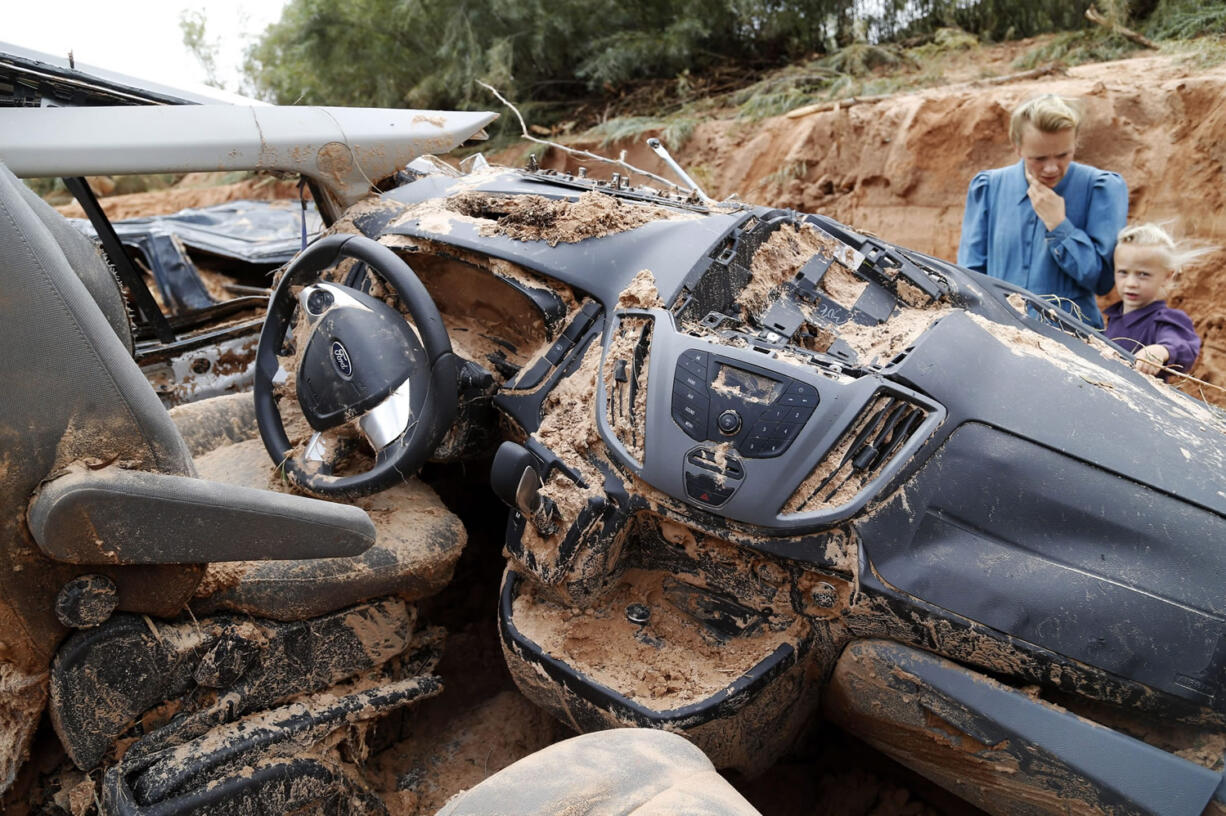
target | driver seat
[
  {"x": 414, "y": 555},
  {"x": 103, "y": 519}
]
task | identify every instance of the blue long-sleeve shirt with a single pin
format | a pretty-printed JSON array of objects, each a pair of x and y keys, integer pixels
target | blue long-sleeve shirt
[{"x": 1004, "y": 237}]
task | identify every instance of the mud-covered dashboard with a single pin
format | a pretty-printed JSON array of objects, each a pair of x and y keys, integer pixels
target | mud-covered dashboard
[
  {"x": 756, "y": 439},
  {"x": 744, "y": 352},
  {"x": 756, "y": 435},
  {"x": 771, "y": 368}
]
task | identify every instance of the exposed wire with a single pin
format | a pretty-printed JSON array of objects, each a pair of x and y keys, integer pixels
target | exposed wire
[
  {"x": 1067, "y": 304},
  {"x": 523, "y": 129},
  {"x": 1186, "y": 379}
]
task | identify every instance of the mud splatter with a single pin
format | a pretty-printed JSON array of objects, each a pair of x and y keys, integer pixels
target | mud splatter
[
  {"x": 22, "y": 697},
  {"x": 625, "y": 381},
  {"x": 641, "y": 293}
]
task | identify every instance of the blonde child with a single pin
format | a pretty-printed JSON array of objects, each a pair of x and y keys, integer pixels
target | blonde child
[{"x": 1146, "y": 259}]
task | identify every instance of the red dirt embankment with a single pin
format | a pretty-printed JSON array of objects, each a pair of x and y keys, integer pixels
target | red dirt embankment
[
  {"x": 194, "y": 190},
  {"x": 899, "y": 168}
]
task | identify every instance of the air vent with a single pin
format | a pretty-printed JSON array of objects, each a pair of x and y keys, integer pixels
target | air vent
[
  {"x": 625, "y": 381},
  {"x": 860, "y": 455}
]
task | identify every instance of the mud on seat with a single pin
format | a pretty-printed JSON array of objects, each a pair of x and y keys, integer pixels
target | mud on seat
[
  {"x": 417, "y": 539},
  {"x": 87, "y": 446}
]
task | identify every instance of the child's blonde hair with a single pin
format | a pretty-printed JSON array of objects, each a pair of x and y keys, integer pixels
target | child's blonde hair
[
  {"x": 1153, "y": 235},
  {"x": 1048, "y": 113}
]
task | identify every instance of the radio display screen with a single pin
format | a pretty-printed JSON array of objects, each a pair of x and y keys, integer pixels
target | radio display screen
[{"x": 750, "y": 387}]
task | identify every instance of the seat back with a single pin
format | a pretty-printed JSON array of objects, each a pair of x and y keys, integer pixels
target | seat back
[
  {"x": 85, "y": 259},
  {"x": 72, "y": 394}
]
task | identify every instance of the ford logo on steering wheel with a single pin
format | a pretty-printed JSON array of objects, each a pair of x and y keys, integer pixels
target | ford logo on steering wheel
[{"x": 340, "y": 360}]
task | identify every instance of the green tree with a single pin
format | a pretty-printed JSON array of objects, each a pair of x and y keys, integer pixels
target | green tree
[
  {"x": 194, "y": 26},
  {"x": 429, "y": 53}
]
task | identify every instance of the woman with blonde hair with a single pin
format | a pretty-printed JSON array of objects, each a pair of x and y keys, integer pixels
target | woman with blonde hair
[{"x": 1046, "y": 223}]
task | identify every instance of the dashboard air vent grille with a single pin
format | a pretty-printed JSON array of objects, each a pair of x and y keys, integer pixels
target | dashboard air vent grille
[
  {"x": 625, "y": 381},
  {"x": 861, "y": 454}
]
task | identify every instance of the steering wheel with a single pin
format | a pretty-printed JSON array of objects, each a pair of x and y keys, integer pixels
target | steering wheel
[{"x": 361, "y": 363}]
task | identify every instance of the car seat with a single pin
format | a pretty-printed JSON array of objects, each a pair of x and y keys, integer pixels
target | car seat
[{"x": 106, "y": 532}]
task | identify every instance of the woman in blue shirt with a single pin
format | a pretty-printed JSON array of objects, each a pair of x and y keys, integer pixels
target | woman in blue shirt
[{"x": 1046, "y": 223}]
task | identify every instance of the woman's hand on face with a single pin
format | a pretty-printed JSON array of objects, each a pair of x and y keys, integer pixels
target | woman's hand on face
[{"x": 1047, "y": 203}]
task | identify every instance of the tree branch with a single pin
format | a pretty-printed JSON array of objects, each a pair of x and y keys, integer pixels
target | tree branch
[
  {"x": 1033, "y": 73},
  {"x": 835, "y": 104},
  {"x": 1127, "y": 33}
]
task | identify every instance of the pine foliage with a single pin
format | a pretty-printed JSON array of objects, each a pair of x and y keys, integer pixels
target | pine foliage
[
  {"x": 1184, "y": 19},
  {"x": 545, "y": 54}
]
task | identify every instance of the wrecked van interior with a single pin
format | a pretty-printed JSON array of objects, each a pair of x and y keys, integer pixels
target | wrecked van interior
[{"x": 759, "y": 471}]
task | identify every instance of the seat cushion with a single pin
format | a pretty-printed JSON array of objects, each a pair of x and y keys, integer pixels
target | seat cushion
[
  {"x": 207, "y": 424},
  {"x": 417, "y": 543},
  {"x": 607, "y": 773}
]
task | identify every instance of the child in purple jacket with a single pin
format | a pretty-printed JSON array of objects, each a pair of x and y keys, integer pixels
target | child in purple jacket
[{"x": 1162, "y": 338}]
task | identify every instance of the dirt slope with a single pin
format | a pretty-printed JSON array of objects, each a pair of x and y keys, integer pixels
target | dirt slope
[
  {"x": 194, "y": 190},
  {"x": 899, "y": 168}
]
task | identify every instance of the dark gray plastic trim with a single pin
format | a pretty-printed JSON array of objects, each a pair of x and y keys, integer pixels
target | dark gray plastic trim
[
  {"x": 1149, "y": 779},
  {"x": 114, "y": 516}
]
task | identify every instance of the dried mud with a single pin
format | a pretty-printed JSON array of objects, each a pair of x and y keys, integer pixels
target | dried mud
[
  {"x": 667, "y": 663},
  {"x": 641, "y": 292},
  {"x": 22, "y": 697},
  {"x": 556, "y": 221},
  {"x": 207, "y": 424},
  {"x": 882, "y": 343},
  {"x": 1134, "y": 395},
  {"x": 909, "y": 728},
  {"x": 189, "y": 192},
  {"x": 413, "y": 528},
  {"x": 568, "y": 428},
  {"x": 834, "y": 468},
  {"x": 778, "y": 260},
  {"x": 441, "y": 757},
  {"x": 626, "y": 398},
  {"x": 484, "y": 318}
]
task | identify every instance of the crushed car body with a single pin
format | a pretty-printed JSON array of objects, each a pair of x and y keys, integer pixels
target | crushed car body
[
  {"x": 762, "y": 439},
  {"x": 760, "y": 467},
  {"x": 209, "y": 270}
]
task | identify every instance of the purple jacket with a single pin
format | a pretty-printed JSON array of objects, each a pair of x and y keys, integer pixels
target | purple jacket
[{"x": 1155, "y": 323}]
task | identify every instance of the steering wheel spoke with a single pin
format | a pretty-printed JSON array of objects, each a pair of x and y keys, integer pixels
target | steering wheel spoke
[
  {"x": 359, "y": 363},
  {"x": 326, "y": 450},
  {"x": 390, "y": 419}
]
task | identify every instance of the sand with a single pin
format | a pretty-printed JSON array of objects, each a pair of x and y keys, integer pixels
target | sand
[{"x": 556, "y": 221}]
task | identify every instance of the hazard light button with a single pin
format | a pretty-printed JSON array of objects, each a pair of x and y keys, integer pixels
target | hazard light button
[{"x": 711, "y": 479}]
